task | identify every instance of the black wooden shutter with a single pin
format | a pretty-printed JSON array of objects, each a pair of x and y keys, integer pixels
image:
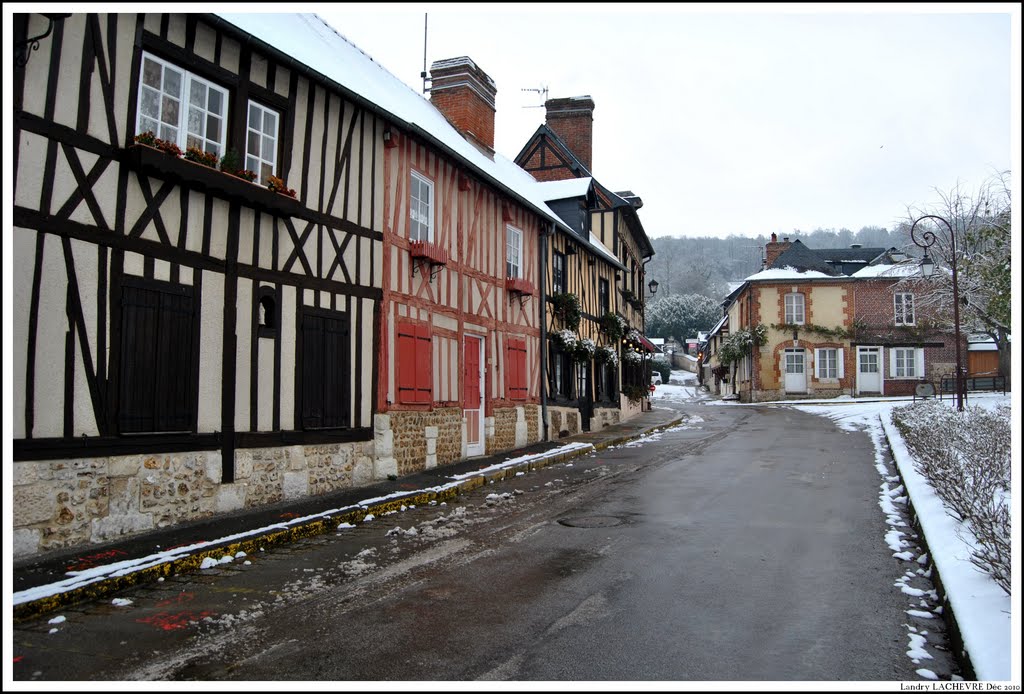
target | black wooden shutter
[
  {"x": 156, "y": 391},
  {"x": 325, "y": 369}
]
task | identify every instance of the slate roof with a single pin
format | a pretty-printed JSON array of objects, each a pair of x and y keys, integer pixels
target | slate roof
[
  {"x": 582, "y": 171},
  {"x": 831, "y": 261},
  {"x": 800, "y": 257}
]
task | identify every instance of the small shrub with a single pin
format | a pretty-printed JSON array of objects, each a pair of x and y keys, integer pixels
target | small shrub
[{"x": 965, "y": 456}]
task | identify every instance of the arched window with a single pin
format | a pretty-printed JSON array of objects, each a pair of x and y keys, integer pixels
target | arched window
[{"x": 267, "y": 312}]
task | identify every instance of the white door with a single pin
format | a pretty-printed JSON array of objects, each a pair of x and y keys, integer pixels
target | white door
[
  {"x": 472, "y": 393},
  {"x": 869, "y": 369},
  {"x": 795, "y": 371}
]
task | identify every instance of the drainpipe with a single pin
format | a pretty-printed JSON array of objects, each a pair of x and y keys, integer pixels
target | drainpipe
[
  {"x": 543, "y": 313},
  {"x": 750, "y": 362},
  {"x": 643, "y": 318}
]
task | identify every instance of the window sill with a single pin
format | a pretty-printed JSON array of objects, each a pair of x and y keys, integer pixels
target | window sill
[{"x": 188, "y": 174}]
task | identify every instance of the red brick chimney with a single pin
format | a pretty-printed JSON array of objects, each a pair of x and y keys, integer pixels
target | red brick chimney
[
  {"x": 774, "y": 248},
  {"x": 572, "y": 119},
  {"x": 465, "y": 95}
]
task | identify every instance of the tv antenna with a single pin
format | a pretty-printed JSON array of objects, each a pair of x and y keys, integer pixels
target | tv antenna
[
  {"x": 424, "y": 73},
  {"x": 542, "y": 90}
]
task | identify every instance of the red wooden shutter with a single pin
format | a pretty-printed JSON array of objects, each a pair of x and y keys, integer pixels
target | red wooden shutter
[
  {"x": 516, "y": 369},
  {"x": 424, "y": 372},
  {"x": 406, "y": 362}
]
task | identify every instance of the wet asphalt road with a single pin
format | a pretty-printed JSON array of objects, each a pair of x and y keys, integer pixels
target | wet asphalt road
[{"x": 746, "y": 544}]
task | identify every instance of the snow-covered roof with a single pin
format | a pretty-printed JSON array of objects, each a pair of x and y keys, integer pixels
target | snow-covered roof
[
  {"x": 789, "y": 273},
  {"x": 718, "y": 326},
  {"x": 309, "y": 40},
  {"x": 568, "y": 188},
  {"x": 885, "y": 270}
]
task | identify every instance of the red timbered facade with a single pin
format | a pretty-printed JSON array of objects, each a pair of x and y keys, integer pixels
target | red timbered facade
[{"x": 460, "y": 361}]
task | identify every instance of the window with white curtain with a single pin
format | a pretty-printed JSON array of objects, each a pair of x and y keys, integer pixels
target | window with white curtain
[
  {"x": 180, "y": 107},
  {"x": 828, "y": 363},
  {"x": 794, "y": 308},
  {"x": 903, "y": 303},
  {"x": 421, "y": 208}
]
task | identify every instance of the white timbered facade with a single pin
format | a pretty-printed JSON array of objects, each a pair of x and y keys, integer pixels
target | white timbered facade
[{"x": 186, "y": 342}]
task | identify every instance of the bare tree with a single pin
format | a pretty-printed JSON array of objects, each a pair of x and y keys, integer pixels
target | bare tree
[{"x": 980, "y": 222}]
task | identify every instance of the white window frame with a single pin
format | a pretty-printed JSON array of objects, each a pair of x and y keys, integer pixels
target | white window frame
[
  {"x": 513, "y": 252},
  {"x": 791, "y": 305},
  {"x": 903, "y": 306},
  {"x": 183, "y": 99},
  {"x": 822, "y": 363},
  {"x": 254, "y": 161},
  {"x": 421, "y": 212},
  {"x": 902, "y": 357}
]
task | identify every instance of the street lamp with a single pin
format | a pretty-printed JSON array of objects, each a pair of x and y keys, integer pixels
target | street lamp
[
  {"x": 926, "y": 241},
  {"x": 653, "y": 286}
]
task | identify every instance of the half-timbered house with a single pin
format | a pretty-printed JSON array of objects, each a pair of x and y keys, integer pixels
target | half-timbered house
[
  {"x": 460, "y": 328},
  {"x": 251, "y": 266},
  {"x": 188, "y": 342},
  {"x": 596, "y": 372}
]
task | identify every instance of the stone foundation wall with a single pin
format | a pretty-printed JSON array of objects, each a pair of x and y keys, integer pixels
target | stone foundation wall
[
  {"x": 64, "y": 504},
  {"x": 565, "y": 421},
  {"x": 504, "y": 430},
  {"x": 604, "y": 417},
  {"x": 533, "y": 421},
  {"x": 775, "y": 395},
  {"x": 423, "y": 440},
  {"x": 514, "y": 427}
]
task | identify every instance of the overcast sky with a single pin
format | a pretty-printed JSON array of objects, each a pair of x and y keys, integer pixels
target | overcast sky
[{"x": 733, "y": 119}]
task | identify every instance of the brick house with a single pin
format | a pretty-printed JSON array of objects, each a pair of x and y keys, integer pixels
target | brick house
[{"x": 832, "y": 322}]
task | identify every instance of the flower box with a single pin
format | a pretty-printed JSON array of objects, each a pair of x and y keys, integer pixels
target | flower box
[
  {"x": 425, "y": 250},
  {"x": 518, "y": 285},
  {"x": 154, "y": 162}
]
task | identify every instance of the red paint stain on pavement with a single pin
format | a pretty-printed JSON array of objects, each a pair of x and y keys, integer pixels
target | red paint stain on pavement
[
  {"x": 180, "y": 620},
  {"x": 177, "y": 599}
]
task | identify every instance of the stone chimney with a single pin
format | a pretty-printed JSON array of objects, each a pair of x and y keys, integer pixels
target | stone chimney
[
  {"x": 774, "y": 248},
  {"x": 572, "y": 119},
  {"x": 465, "y": 95}
]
